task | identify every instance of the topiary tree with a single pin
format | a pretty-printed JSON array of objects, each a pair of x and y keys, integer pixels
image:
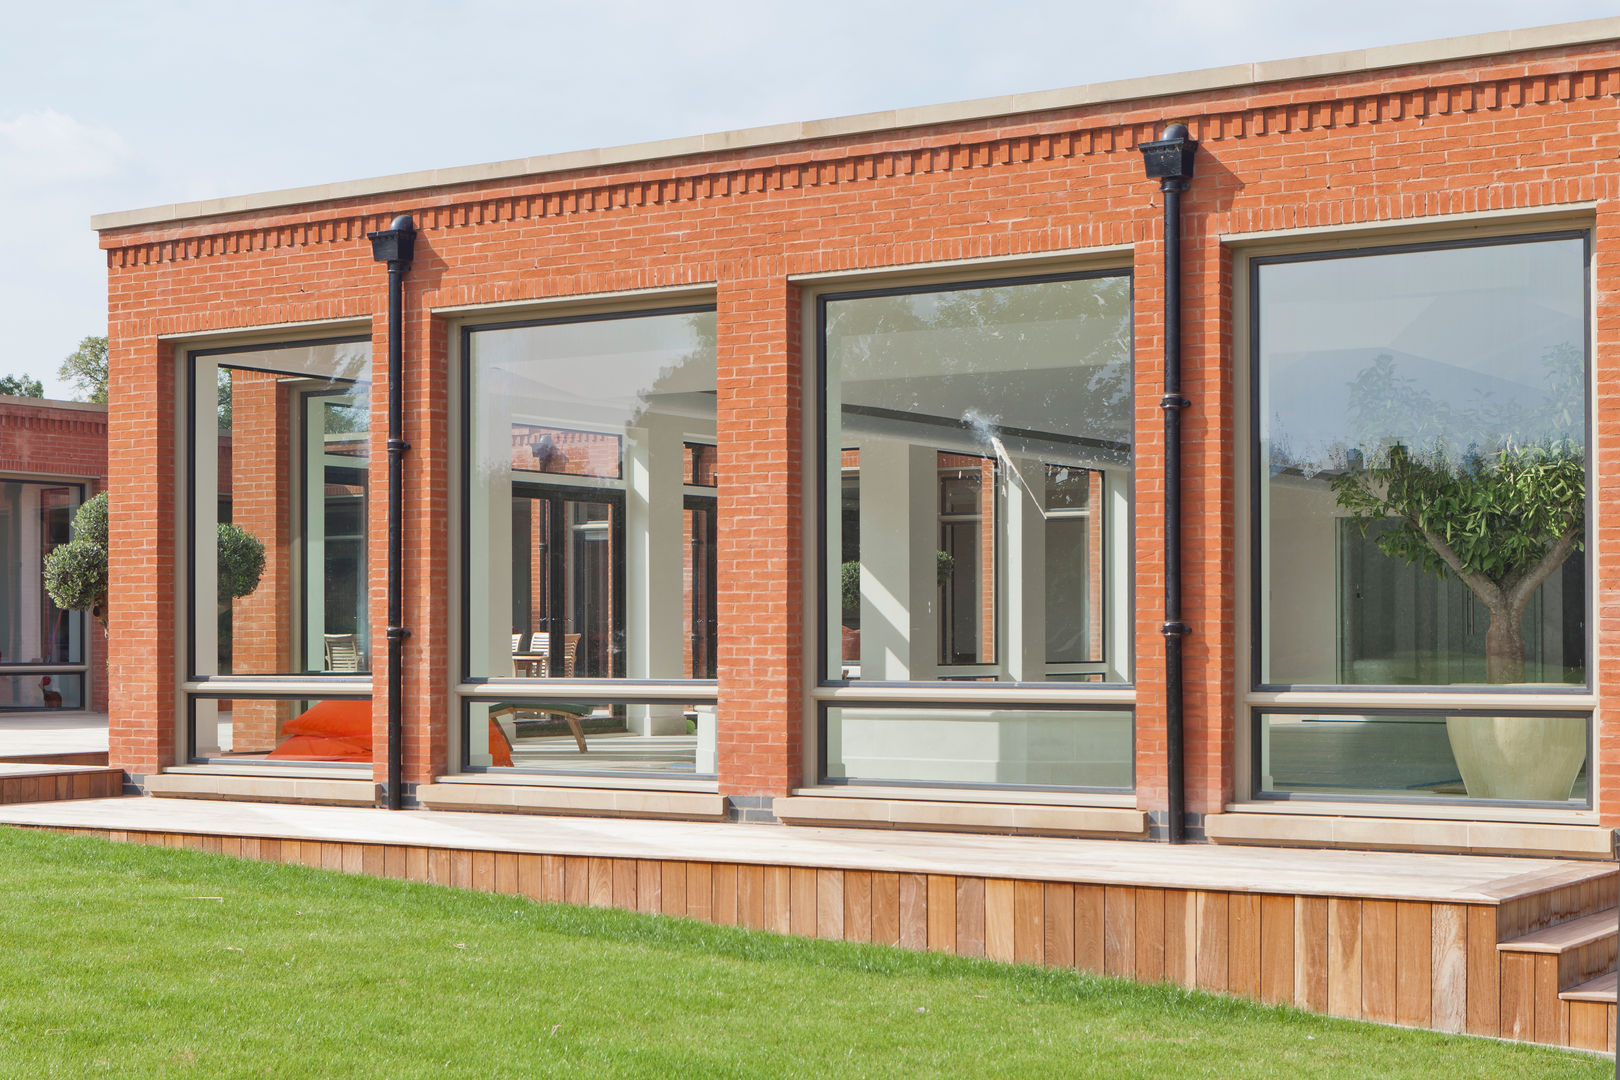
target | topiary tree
[
  {"x": 76, "y": 572},
  {"x": 241, "y": 562}
]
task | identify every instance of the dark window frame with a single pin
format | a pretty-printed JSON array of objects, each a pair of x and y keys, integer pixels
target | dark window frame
[
  {"x": 704, "y": 689},
  {"x": 821, "y": 479},
  {"x": 1257, "y": 644},
  {"x": 190, "y": 388}
]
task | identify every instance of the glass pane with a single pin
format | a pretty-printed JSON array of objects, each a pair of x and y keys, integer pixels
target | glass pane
[
  {"x": 1024, "y": 747},
  {"x": 1425, "y": 756},
  {"x": 34, "y": 691},
  {"x": 1421, "y": 453},
  {"x": 585, "y": 436},
  {"x": 605, "y": 739},
  {"x": 249, "y": 730},
  {"x": 34, "y": 519},
  {"x": 973, "y": 428},
  {"x": 282, "y": 466}
]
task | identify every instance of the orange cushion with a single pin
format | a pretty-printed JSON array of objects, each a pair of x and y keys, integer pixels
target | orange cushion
[
  {"x": 500, "y": 751},
  {"x": 321, "y": 748},
  {"x": 336, "y": 718}
]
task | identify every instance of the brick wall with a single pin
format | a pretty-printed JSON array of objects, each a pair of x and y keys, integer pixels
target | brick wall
[{"x": 1516, "y": 133}]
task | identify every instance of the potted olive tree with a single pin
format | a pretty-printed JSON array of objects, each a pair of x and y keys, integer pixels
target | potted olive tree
[
  {"x": 76, "y": 572},
  {"x": 1500, "y": 517}
]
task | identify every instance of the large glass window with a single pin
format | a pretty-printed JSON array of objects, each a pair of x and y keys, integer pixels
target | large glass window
[
  {"x": 280, "y": 477},
  {"x": 1089, "y": 749},
  {"x": 280, "y": 466},
  {"x": 592, "y": 507},
  {"x": 1420, "y": 466},
  {"x": 978, "y": 443},
  {"x": 34, "y": 632}
]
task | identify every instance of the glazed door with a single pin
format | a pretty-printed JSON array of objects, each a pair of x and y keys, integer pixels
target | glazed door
[{"x": 568, "y": 578}]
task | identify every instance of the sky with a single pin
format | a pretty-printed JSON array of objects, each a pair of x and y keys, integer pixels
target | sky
[{"x": 115, "y": 106}]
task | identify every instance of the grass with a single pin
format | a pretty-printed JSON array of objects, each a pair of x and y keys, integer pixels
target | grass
[{"x": 122, "y": 960}]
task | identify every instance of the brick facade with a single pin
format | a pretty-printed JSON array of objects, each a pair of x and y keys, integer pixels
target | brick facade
[{"x": 1526, "y": 134}]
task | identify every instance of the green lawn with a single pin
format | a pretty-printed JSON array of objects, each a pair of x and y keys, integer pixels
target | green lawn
[{"x": 121, "y": 960}]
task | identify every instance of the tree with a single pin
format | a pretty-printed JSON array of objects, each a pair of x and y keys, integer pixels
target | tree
[
  {"x": 21, "y": 386},
  {"x": 1501, "y": 517},
  {"x": 86, "y": 369},
  {"x": 76, "y": 572}
]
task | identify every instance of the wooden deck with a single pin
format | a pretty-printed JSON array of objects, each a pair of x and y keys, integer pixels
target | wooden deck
[{"x": 1509, "y": 947}]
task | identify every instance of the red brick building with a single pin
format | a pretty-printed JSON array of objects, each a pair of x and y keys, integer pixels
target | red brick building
[
  {"x": 818, "y": 472},
  {"x": 53, "y": 456}
]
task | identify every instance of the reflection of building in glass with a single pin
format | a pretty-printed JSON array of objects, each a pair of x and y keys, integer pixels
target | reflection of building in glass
[{"x": 53, "y": 456}]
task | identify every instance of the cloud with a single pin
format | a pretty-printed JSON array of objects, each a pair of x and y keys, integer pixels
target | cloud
[{"x": 44, "y": 149}]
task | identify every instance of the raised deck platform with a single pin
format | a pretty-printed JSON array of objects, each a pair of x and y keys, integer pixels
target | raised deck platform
[{"x": 1488, "y": 945}]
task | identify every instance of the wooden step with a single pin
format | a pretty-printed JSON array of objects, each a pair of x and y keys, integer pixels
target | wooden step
[
  {"x": 1567, "y": 936},
  {"x": 1601, "y": 989}
]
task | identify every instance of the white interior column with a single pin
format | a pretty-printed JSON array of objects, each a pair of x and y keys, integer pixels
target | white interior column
[
  {"x": 1024, "y": 603},
  {"x": 899, "y": 541},
  {"x": 490, "y": 537},
  {"x": 1117, "y": 574},
  {"x": 654, "y": 571}
]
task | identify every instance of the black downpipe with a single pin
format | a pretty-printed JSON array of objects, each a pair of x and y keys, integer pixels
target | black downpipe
[
  {"x": 395, "y": 245},
  {"x": 1170, "y": 161}
]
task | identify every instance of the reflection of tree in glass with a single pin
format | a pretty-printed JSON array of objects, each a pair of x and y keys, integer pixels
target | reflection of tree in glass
[{"x": 1494, "y": 494}]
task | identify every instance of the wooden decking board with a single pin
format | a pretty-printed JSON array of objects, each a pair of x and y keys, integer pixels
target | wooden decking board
[
  {"x": 1214, "y": 937},
  {"x": 886, "y": 908},
  {"x": 1119, "y": 930},
  {"x": 801, "y": 913},
  {"x": 1089, "y": 946},
  {"x": 699, "y": 891},
  {"x": 1448, "y": 986},
  {"x": 1573, "y": 934},
  {"x": 1378, "y": 960},
  {"x": 1180, "y": 938},
  {"x": 1588, "y": 1025},
  {"x": 1149, "y": 935},
  {"x": 942, "y": 913},
  {"x": 970, "y": 916},
  {"x": 1311, "y": 953},
  {"x": 1518, "y": 995},
  {"x": 998, "y": 919},
  {"x": 1344, "y": 957},
  {"x": 1601, "y": 989},
  {"x": 1548, "y": 1008},
  {"x": 1414, "y": 963},
  {"x": 751, "y": 897},
  {"x": 1029, "y": 937},
  {"x": 1243, "y": 944},
  {"x": 1277, "y": 949},
  {"x": 1057, "y": 920},
  {"x": 914, "y": 911},
  {"x": 858, "y": 906},
  {"x": 1225, "y": 868},
  {"x": 830, "y": 904}
]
